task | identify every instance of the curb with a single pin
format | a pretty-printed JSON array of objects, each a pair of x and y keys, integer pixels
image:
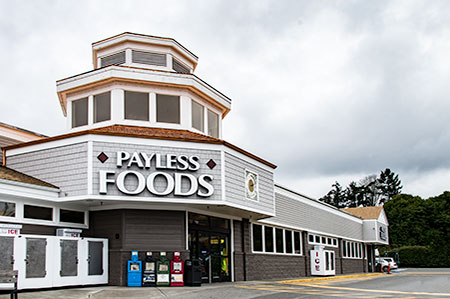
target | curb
[{"x": 330, "y": 278}]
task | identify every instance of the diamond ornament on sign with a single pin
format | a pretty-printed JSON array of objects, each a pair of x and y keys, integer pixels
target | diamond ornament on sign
[
  {"x": 102, "y": 157},
  {"x": 211, "y": 164}
]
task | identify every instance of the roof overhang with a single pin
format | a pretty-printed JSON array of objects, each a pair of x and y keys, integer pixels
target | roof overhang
[{"x": 125, "y": 74}]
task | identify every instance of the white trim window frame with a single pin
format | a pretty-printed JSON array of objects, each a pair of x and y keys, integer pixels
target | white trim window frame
[
  {"x": 322, "y": 240},
  {"x": 352, "y": 250},
  {"x": 274, "y": 229}
]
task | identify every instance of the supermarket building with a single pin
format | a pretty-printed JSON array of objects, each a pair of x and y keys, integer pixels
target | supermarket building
[{"x": 143, "y": 166}]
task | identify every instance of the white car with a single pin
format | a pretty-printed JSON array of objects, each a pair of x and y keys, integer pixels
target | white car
[
  {"x": 381, "y": 265},
  {"x": 391, "y": 262}
]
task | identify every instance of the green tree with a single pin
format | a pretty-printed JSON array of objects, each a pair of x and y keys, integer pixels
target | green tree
[
  {"x": 335, "y": 196},
  {"x": 369, "y": 191},
  {"x": 389, "y": 185}
]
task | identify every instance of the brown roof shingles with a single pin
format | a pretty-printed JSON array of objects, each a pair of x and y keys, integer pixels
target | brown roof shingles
[
  {"x": 365, "y": 212},
  {"x": 12, "y": 175}
]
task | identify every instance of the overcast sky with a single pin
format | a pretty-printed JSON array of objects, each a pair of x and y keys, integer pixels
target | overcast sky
[{"x": 327, "y": 90}]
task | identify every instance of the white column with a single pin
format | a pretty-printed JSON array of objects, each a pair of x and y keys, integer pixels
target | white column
[
  {"x": 169, "y": 61},
  {"x": 220, "y": 125},
  {"x": 117, "y": 105},
  {"x": 185, "y": 112},
  {"x": 205, "y": 119},
  {"x": 128, "y": 58},
  {"x": 69, "y": 115},
  {"x": 90, "y": 110},
  {"x": 152, "y": 107}
]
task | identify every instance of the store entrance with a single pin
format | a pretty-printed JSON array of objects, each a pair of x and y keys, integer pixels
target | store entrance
[{"x": 209, "y": 241}]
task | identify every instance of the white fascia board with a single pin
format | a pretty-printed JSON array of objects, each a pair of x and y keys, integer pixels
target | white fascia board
[
  {"x": 18, "y": 189},
  {"x": 315, "y": 204},
  {"x": 375, "y": 242},
  {"x": 143, "y": 39},
  {"x": 163, "y": 200},
  {"x": 142, "y": 75},
  {"x": 161, "y": 207}
]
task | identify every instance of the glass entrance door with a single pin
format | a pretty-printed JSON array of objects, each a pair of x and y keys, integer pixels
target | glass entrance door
[
  {"x": 209, "y": 241},
  {"x": 219, "y": 258}
]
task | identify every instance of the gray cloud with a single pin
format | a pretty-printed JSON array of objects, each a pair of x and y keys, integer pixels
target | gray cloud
[{"x": 323, "y": 89}]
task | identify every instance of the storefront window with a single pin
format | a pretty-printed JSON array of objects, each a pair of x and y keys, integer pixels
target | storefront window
[
  {"x": 257, "y": 238},
  {"x": 197, "y": 116},
  {"x": 102, "y": 107},
  {"x": 268, "y": 237},
  {"x": 80, "y": 112},
  {"x": 167, "y": 109},
  {"x": 136, "y": 105},
  {"x": 7, "y": 209},
  {"x": 40, "y": 213},
  {"x": 297, "y": 243},
  {"x": 71, "y": 216},
  {"x": 279, "y": 240},
  {"x": 288, "y": 237}
]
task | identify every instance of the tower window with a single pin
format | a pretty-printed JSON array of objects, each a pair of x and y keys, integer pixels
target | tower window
[
  {"x": 102, "y": 107},
  {"x": 213, "y": 124},
  {"x": 167, "y": 109},
  {"x": 80, "y": 113},
  {"x": 197, "y": 116},
  {"x": 136, "y": 105}
]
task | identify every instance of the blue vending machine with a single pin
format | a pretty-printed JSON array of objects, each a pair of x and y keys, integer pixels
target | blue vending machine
[{"x": 134, "y": 277}]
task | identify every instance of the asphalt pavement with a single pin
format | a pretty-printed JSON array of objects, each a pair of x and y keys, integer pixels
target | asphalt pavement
[{"x": 409, "y": 283}]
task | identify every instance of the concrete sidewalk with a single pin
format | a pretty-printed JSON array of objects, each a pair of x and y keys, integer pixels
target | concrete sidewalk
[{"x": 215, "y": 290}]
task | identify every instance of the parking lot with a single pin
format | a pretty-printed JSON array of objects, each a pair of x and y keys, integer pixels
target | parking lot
[{"x": 410, "y": 283}]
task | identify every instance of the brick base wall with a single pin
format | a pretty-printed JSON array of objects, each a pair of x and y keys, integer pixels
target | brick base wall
[
  {"x": 354, "y": 266},
  {"x": 271, "y": 266}
]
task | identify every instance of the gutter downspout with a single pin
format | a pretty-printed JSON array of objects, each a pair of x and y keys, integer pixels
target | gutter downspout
[{"x": 4, "y": 157}]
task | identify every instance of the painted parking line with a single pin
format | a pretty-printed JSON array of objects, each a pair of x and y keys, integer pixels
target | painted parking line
[
  {"x": 326, "y": 287},
  {"x": 442, "y": 295},
  {"x": 316, "y": 292},
  {"x": 366, "y": 275}
]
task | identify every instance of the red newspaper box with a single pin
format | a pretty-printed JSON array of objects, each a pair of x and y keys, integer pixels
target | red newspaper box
[{"x": 176, "y": 270}]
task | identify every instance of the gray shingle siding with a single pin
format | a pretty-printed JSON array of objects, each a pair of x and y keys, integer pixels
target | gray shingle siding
[
  {"x": 235, "y": 184},
  {"x": 64, "y": 166},
  {"x": 292, "y": 212}
]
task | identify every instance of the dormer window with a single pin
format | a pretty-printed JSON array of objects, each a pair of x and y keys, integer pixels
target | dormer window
[
  {"x": 149, "y": 58},
  {"x": 213, "y": 124},
  {"x": 117, "y": 58},
  {"x": 167, "y": 109},
  {"x": 197, "y": 116},
  {"x": 102, "y": 107},
  {"x": 136, "y": 105},
  {"x": 80, "y": 112}
]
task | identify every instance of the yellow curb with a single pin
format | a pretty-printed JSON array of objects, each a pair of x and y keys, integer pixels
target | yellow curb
[{"x": 330, "y": 278}]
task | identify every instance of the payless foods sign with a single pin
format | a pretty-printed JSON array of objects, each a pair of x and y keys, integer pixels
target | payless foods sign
[{"x": 169, "y": 175}]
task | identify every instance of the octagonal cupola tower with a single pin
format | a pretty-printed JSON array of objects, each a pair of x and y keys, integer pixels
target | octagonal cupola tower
[{"x": 145, "y": 81}]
